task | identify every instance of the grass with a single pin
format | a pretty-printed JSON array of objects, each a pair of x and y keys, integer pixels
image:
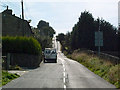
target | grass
[
  {"x": 7, "y": 77},
  {"x": 101, "y": 67}
]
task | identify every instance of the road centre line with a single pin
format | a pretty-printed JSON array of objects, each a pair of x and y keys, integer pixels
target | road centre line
[
  {"x": 64, "y": 80},
  {"x": 64, "y": 74},
  {"x": 65, "y": 87},
  {"x": 64, "y": 69}
]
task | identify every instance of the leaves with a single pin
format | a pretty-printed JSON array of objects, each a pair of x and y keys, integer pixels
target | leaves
[
  {"x": 21, "y": 45},
  {"x": 83, "y": 34}
]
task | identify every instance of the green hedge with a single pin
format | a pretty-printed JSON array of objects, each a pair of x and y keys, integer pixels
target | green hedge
[{"x": 19, "y": 44}]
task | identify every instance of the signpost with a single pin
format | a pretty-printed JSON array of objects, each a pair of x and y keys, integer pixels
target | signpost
[{"x": 98, "y": 40}]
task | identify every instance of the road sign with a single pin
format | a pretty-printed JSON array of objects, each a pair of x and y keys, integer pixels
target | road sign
[
  {"x": 98, "y": 38},
  {"x": 98, "y": 35},
  {"x": 97, "y": 43}
]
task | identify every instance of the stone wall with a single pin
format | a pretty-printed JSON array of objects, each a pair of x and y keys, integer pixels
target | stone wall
[{"x": 25, "y": 60}]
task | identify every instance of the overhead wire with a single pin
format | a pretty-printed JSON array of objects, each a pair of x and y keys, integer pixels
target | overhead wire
[
  {"x": 3, "y": 4},
  {"x": 13, "y": 5},
  {"x": 10, "y": 4}
]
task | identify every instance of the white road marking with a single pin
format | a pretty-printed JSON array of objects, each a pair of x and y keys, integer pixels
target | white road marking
[
  {"x": 64, "y": 80},
  {"x": 64, "y": 74},
  {"x": 64, "y": 69},
  {"x": 65, "y": 87}
]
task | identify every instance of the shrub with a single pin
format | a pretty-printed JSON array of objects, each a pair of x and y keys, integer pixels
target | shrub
[
  {"x": 19, "y": 44},
  {"x": 113, "y": 74}
]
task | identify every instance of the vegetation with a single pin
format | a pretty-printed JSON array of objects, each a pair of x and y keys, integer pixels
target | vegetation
[
  {"x": 83, "y": 34},
  {"x": 82, "y": 37},
  {"x": 103, "y": 68},
  {"x": 65, "y": 42},
  {"x": 44, "y": 34},
  {"x": 19, "y": 47},
  {"x": 45, "y": 29},
  {"x": 44, "y": 41},
  {"x": 7, "y": 77},
  {"x": 18, "y": 44}
]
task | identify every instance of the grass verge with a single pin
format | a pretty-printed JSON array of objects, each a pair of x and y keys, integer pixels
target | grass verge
[
  {"x": 101, "y": 67},
  {"x": 7, "y": 77}
]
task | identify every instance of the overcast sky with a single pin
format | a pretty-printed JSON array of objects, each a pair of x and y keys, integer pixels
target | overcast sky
[{"x": 63, "y": 14}]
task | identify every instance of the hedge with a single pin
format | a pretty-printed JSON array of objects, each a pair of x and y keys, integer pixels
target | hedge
[{"x": 20, "y": 44}]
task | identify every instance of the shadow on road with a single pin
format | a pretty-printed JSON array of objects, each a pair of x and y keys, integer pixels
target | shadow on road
[{"x": 50, "y": 61}]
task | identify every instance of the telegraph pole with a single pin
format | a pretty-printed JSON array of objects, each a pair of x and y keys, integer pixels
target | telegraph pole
[
  {"x": 22, "y": 10},
  {"x": 7, "y": 7},
  {"x": 22, "y": 18},
  {"x": 99, "y": 39}
]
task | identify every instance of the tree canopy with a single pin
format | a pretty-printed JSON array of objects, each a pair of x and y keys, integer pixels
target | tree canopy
[
  {"x": 44, "y": 34},
  {"x": 45, "y": 29},
  {"x": 83, "y": 34}
]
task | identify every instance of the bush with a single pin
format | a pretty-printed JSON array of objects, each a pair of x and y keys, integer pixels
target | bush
[{"x": 19, "y": 44}]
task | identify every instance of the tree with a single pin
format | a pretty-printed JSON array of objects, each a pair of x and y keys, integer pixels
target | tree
[
  {"x": 42, "y": 24},
  {"x": 45, "y": 29},
  {"x": 44, "y": 34},
  {"x": 43, "y": 39},
  {"x": 83, "y": 31},
  {"x": 83, "y": 34},
  {"x": 61, "y": 37}
]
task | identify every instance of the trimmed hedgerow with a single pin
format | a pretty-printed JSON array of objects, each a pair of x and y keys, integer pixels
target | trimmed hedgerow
[{"x": 21, "y": 44}]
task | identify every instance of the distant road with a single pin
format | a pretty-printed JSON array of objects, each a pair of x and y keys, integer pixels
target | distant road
[{"x": 65, "y": 73}]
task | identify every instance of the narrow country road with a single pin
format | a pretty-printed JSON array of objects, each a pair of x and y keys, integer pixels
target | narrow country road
[{"x": 65, "y": 73}]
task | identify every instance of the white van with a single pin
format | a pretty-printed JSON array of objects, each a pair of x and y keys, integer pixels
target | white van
[{"x": 50, "y": 54}]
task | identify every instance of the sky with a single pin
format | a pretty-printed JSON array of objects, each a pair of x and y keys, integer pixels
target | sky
[{"x": 63, "y": 14}]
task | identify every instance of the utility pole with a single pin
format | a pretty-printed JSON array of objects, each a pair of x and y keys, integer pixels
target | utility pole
[
  {"x": 22, "y": 10},
  {"x": 99, "y": 39},
  {"x": 7, "y": 7},
  {"x": 22, "y": 18}
]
